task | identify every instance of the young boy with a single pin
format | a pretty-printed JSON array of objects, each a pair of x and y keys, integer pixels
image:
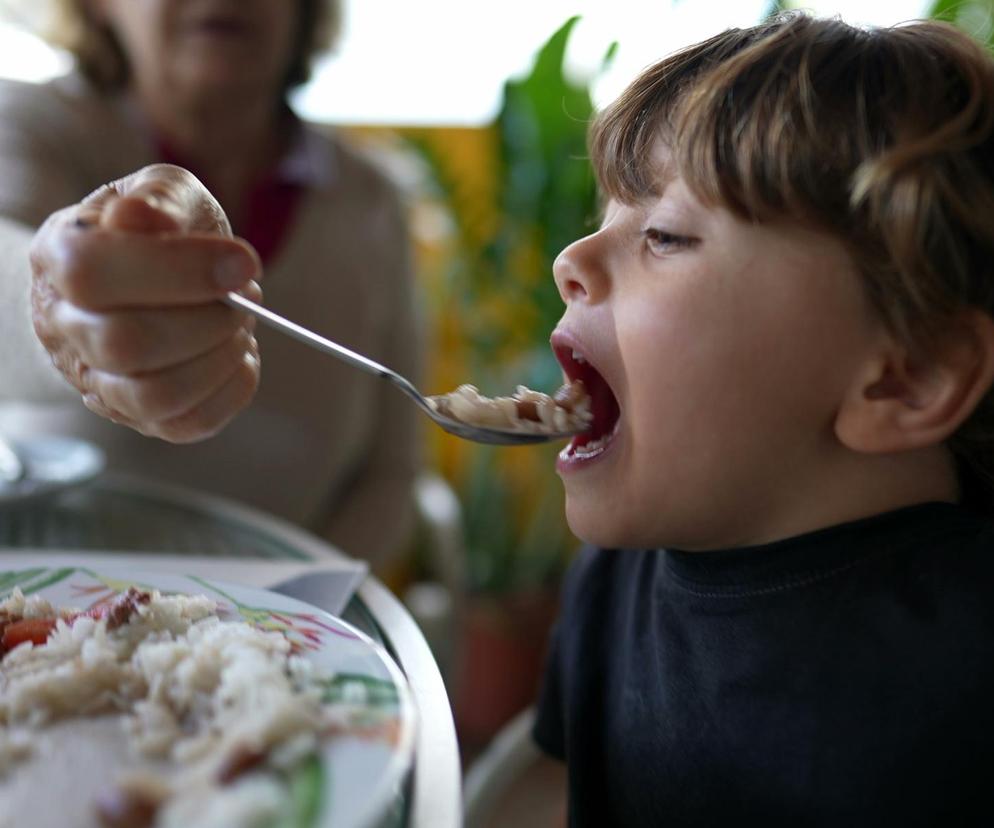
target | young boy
[{"x": 785, "y": 324}]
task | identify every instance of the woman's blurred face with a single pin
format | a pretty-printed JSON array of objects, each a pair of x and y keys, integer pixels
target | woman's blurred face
[{"x": 205, "y": 46}]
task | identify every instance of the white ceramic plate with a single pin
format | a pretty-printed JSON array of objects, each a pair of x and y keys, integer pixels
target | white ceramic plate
[
  {"x": 51, "y": 464},
  {"x": 362, "y": 769}
]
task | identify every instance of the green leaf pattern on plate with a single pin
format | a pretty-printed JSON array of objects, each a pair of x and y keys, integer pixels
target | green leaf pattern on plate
[
  {"x": 31, "y": 580},
  {"x": 306, "y": 784}
]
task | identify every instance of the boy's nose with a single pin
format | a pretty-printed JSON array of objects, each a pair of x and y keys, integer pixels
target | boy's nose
[{"x": 578, "y": 272}]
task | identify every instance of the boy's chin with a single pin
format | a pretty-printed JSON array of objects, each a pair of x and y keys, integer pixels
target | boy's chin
[{"x": 592, "y": 526}]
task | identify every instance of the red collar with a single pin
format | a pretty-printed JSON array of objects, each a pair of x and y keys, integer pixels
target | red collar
[{"x": 269, "y": 208}]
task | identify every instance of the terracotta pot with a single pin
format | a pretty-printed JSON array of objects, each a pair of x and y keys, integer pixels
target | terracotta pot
[{"x": 500, "y": 657}]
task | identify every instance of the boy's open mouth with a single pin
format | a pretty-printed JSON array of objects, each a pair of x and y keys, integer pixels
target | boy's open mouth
[{"x": 603, "y": 404}]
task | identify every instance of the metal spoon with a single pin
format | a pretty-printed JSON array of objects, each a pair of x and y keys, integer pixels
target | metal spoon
[
  {"x": 11, "y": 468},
  {"x": 479, "y": 434}
]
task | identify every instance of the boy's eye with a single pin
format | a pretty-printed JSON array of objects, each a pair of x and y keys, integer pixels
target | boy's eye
[{"x": 662, "y": 241}]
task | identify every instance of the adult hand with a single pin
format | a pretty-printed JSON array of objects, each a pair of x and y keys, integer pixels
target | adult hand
[{"x": 125, "y": 290}]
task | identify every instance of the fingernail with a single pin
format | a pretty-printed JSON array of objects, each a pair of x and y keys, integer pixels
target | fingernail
[{"x": 232, "y": 272}]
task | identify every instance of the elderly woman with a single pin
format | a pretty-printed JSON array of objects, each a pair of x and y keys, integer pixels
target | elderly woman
[{"x": 125, "y": 280}]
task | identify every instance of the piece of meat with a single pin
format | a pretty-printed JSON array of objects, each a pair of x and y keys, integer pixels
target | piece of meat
[
  {"x": 124, "y": 606},
  {"x": 132, "y": 803},
  {"x": 239, "y": 761}
]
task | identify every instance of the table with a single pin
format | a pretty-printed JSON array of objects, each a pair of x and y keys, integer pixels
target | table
[{"x": 118, "y": 513}]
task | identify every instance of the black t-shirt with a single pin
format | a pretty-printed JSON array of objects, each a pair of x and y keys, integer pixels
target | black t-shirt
[{"x": 840, "y": 678}]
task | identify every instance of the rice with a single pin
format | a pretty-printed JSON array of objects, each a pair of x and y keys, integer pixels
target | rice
[
  {"x": 226, "y": 704},
  {"x": 528, "y": 411}
]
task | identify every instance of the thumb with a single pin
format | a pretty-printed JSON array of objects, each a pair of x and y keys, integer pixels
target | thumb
[
  {"x": 158, "y": 198},
  {"x": 134, "y": 214}
]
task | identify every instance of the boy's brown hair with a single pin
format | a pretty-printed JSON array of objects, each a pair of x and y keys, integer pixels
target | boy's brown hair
[
  {"x": 882, "y": 137},
  {"x": 101, "y": 59}
]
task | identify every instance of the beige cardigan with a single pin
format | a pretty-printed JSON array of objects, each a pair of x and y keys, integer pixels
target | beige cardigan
[{"x": 322, "y": 445}]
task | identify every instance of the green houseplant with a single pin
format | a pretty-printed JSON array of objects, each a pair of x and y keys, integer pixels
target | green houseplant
[
  {"x": 495, "y": 303},
  {"x": 973, "y": 16}
]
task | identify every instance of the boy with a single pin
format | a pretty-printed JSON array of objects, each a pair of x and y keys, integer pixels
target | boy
[{"x": 785, "y": 324}]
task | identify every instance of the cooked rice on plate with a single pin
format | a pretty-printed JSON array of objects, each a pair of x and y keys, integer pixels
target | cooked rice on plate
[{"x": 157, "y": 710}]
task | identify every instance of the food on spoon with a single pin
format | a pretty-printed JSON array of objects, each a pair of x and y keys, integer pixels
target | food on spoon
[
  {"x": 528, "y": 412},
  {"x": 205, "y": 720}
]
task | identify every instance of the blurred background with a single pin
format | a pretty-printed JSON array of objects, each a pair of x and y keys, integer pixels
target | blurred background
[{"x": 480, "y": 111}]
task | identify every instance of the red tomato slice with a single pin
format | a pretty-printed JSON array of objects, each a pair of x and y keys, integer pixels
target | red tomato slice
[{"x": 35, "y": 630}]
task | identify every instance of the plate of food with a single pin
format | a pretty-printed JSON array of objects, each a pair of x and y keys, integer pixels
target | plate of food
[{"x": 146, "y": 698}]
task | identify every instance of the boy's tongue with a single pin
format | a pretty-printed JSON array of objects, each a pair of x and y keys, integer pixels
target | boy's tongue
[{"x": 603, "y": 406}]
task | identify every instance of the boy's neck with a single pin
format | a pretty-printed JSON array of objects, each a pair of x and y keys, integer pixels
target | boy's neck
[{"x": 865, "y": 486}]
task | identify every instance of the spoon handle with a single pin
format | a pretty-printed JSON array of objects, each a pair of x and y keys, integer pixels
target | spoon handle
[{"x": 308, "y": 337}]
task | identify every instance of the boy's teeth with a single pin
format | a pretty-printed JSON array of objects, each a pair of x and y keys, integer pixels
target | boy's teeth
[
  {"x": 589, "y": 449},
  {"x": 578, "y": 357}
]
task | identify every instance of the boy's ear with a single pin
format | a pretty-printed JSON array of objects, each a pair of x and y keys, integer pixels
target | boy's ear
[{"x": 907, "y": 399}]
